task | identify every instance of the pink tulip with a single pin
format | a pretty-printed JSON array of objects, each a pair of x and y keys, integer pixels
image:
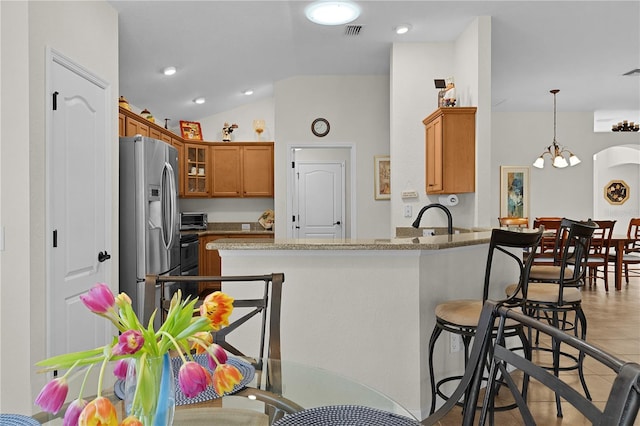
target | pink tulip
[
  {"x": 129, "y": 343},
  {"x": 219, "y": 355},
  {"x": 72, "y": 414},
  {"x": 193, "y": 379},
  {"x": 120, "y": 369},
  {"x": 99, "y": 299},
  {"x": 52, "y": 395}
]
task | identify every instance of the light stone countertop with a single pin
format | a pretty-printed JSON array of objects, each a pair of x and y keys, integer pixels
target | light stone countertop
[{"x": 437, "y": 242}]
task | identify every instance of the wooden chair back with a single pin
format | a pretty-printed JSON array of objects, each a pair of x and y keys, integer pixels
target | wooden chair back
[
  {"x": 514, "y": 222},
  {"x": 622, "y": 404},
  {"x": 547, "y": 252}
]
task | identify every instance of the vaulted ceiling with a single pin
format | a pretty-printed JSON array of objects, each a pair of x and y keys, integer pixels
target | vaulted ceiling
[{"x": 221, "y": 48}]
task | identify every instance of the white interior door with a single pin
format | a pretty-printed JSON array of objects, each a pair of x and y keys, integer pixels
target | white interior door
[
  {"x": 79, "y": 202},
  {"x": 320, "y": 192}
]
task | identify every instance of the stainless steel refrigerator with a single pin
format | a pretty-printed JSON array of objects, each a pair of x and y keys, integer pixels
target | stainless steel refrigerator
[{"x": 149, "y": 219}]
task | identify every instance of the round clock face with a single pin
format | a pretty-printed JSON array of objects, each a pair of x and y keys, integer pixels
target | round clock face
[{"x": 320, "y": 127}]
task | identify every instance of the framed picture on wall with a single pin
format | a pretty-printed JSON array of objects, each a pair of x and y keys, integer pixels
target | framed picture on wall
[
  {"x": 382, "y": 177},
  {"x": 514, "y": 191}
]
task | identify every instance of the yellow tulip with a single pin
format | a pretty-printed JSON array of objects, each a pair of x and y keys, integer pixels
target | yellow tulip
[{"x": 99, "y": 412}]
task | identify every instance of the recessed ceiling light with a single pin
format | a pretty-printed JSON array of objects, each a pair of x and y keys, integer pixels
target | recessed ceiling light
[
  {"x": 332, "y": 12},
  {"x": 248, "y": 92},
  {"x": 402, "y": 29},
  {"x": 169, "y": 71},
  {"x": 199, "y": 101}
]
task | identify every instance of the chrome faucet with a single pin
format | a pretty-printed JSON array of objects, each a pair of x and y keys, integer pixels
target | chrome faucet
[{"x": 416, "y": 223}]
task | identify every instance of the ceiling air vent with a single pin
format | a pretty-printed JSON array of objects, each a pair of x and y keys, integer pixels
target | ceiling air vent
[{"x": 352, "y": 30}]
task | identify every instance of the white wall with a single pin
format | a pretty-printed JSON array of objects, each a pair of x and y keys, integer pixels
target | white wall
[
  {"x": 357, "y": 108},
  {"x": 519, "y": 138},
  {"x": 32, "y": 27},
  {"x": 414, "y": 66}
]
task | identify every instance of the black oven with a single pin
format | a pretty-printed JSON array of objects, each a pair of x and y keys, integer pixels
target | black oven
[{"x": 189, "y": 252}]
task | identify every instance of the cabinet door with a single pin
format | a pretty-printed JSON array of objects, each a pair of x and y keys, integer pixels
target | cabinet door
[
  {"x": 257, "y": 171},
  {"x": 135, "y": 127},
  {"x": 209, "y": 264},
  {"x": 197, "y": 170},
  {"x": 179, "y": 145},
  {"x": 434, "y": 156},
  {"x": 121, "y": 125},
  {"x": 227, "y": 178},
  {"x": 155, "y": 133}
]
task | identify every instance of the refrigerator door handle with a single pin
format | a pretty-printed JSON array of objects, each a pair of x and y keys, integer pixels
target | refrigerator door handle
[{"x": 168, "y": 179}]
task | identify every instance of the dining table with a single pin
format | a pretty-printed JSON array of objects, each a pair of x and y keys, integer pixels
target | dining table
[
  {"x": 279, "y": 393},
  {"x": 619, "y": 242}
]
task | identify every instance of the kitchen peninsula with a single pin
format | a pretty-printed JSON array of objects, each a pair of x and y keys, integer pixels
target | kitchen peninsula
[{"x": 365, "y": 308}]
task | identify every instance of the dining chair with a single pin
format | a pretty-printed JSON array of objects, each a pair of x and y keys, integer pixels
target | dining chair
[
  {"x": 631, "y": 254},
  {"x": 546, "y": 264},
  {"x": 460, "y": 317},
  {"x": 513, "y": 222},
  {"x": 546, "y": 252},
  {"x": 490, "y": 351},
  {"x": 265, "y": 304},
  {"x": 555, "y": 301},
  {"x": 599, "y": 252}
]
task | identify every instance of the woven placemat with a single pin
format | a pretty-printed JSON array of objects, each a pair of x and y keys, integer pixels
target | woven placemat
[
  {"x": 17, "y": 420},
  {"x": 247, "y": 370},
  {"x": 345, "y": 415}
]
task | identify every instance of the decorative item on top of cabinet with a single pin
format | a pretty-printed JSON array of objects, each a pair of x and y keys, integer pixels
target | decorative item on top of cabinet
[
  {"x": 197, "y": 167},
  {"x": 450, "y": 138}
]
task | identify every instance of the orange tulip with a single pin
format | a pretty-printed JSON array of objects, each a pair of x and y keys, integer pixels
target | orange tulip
[
  {"x": 131, "y": 421},
  {"x": 217, "y": 306},
  {"x": 201, "y": 341},
  {"x": 225, "y": 377},
  {"x": 99, "y": 412}
]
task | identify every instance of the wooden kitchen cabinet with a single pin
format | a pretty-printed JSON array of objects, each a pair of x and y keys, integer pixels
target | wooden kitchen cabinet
[
  {"x": 135, "y": 127},
  {"x": 242, "y": 170},
  {"x": 197, "y": 170},
  {"x": 450, "y": 159},
  {"x": 210, "y": 263}
]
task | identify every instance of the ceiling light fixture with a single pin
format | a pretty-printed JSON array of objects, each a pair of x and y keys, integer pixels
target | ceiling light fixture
[
  {"x": 199, "y": 101},
  {"x": 247, "y": 92},
  {"x": 402, "y": 29},
  {"x": 332, "y": 12},
  {"x": 169, "y": 70},
  {"x": 554, "y": 150}
]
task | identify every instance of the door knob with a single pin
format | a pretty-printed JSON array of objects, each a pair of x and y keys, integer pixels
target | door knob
[
  {"x": 103, "y": 255},
  {"x": 337, "y": 223}
]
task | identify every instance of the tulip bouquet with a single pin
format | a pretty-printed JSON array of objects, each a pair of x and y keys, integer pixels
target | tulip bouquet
[{"x": 182, "y": 332}]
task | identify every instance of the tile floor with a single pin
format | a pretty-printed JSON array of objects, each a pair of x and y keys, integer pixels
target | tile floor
[{"x": 613, "y": 323}]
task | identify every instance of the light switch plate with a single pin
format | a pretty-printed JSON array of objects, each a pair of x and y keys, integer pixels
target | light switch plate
[{"x": 408, "y": 210}]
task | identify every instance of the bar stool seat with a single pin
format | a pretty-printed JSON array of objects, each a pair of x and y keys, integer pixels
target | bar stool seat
[
  {"x": 547, "y": 293},
  {"x": 465, "y": 313}
]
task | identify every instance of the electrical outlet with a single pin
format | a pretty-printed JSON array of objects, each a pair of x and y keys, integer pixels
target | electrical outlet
[
  {"x": 428, "y": 232},
  {"x": 456, "y": 343},
  {"x": 408, "y": 210},
  {"x": 246, "y": 227}
]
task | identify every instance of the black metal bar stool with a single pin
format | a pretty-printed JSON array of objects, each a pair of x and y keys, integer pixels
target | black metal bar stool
[
  {"x": 461, "y": 317},
  {"x": 553, "y": 301}
]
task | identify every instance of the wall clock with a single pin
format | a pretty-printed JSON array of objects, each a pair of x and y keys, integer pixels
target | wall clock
[{"x": 320, "y": 127}]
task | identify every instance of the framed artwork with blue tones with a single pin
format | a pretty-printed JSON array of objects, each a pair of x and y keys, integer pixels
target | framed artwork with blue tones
[{"x": 514, "y": 191}]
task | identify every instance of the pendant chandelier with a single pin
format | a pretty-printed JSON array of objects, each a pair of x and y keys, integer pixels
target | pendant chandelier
[{"x": 555, "y": 151}]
